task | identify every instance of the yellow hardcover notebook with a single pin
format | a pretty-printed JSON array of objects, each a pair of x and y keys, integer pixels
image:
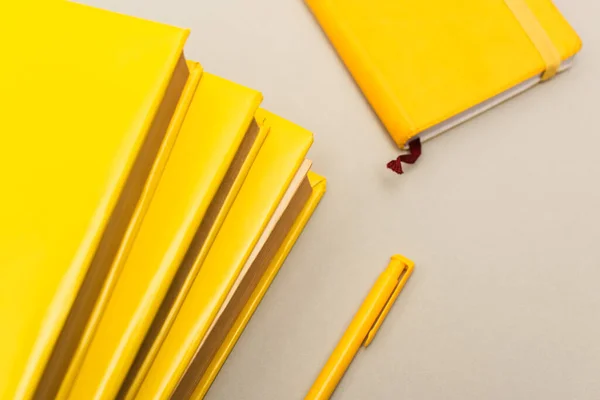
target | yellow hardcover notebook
[
  {"x": 426, "y": 66},
  {"x": 85, "y": 114},
  {"x": 216, "y": 146},
  {"x": 318, "y": 184},
  {"x": 278, "y": 176}
]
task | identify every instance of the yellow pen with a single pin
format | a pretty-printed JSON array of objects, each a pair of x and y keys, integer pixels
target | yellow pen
[{"x": 364, "y": 326}]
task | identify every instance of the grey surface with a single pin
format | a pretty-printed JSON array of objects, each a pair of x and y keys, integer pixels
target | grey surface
[{"x": 501, "y": 215}]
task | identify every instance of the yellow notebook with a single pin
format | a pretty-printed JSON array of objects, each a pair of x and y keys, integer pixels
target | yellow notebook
[
  {"x": 215, "y": 148},
  {"x": 426, "y": 66},
  {"x": 318, "y": 184},
  {"x": 86, "y": 112},
  {"x": 279, "y": 165}
]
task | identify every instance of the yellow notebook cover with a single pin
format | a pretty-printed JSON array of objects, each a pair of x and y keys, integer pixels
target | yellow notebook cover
[
  {"x": 81, "y": 106},
  {"x": 217, "y": 120},
  {"x": 280, "y": 157},
  {"x": 318, "y": 184},
  {"x": 426, "y": 66}
]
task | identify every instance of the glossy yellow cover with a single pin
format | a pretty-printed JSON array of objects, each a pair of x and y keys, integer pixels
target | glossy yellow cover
[
  {"x": 217, "y": 120},
  {"x": 77, "y": 101},
  {"x": 318, "y": 184},
  {"x": 280, "y": 157},
  {"x": 420, "y": 63}
]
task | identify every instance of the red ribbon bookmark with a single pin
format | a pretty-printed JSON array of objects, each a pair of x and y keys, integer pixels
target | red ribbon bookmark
[{"x": 414, "y": 148}]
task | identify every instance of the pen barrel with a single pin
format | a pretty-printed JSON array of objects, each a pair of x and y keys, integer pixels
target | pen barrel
[{"x": 357, "y": 331}]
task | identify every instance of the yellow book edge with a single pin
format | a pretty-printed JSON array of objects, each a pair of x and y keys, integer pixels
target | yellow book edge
[
  {"x": 37, "y": 380},
  {"x": 318, "y": 184},
  {"x": 216, "y": 104},
  {"x": 129, "y": 391},
  {"x": 288, "y": 144},
  {"x": 195, "y": 74}
]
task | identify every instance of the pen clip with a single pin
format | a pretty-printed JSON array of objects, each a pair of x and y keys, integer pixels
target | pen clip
[{"x": 406, "y": 272}]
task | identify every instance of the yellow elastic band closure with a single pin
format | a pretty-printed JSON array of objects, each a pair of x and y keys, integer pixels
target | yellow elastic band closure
[{"x": 538, "y": 36}]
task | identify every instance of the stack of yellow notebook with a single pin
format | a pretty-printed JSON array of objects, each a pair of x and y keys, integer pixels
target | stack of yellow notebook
[{"x": 147, "y": 206}]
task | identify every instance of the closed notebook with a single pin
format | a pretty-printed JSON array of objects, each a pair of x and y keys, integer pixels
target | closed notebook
[
  {"x": 318, "y": 184},
  {"x": 216, "y": 146},
  {"x": 254, "y": 229},
  {"x": 85, "y": 135},
  {"x": 426, "y": 66}
]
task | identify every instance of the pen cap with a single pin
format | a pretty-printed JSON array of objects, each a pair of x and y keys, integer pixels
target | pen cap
[{"x": 402, "y": 268}]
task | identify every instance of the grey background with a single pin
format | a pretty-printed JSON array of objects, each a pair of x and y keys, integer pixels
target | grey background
[{"x": 501, "y": 215}]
